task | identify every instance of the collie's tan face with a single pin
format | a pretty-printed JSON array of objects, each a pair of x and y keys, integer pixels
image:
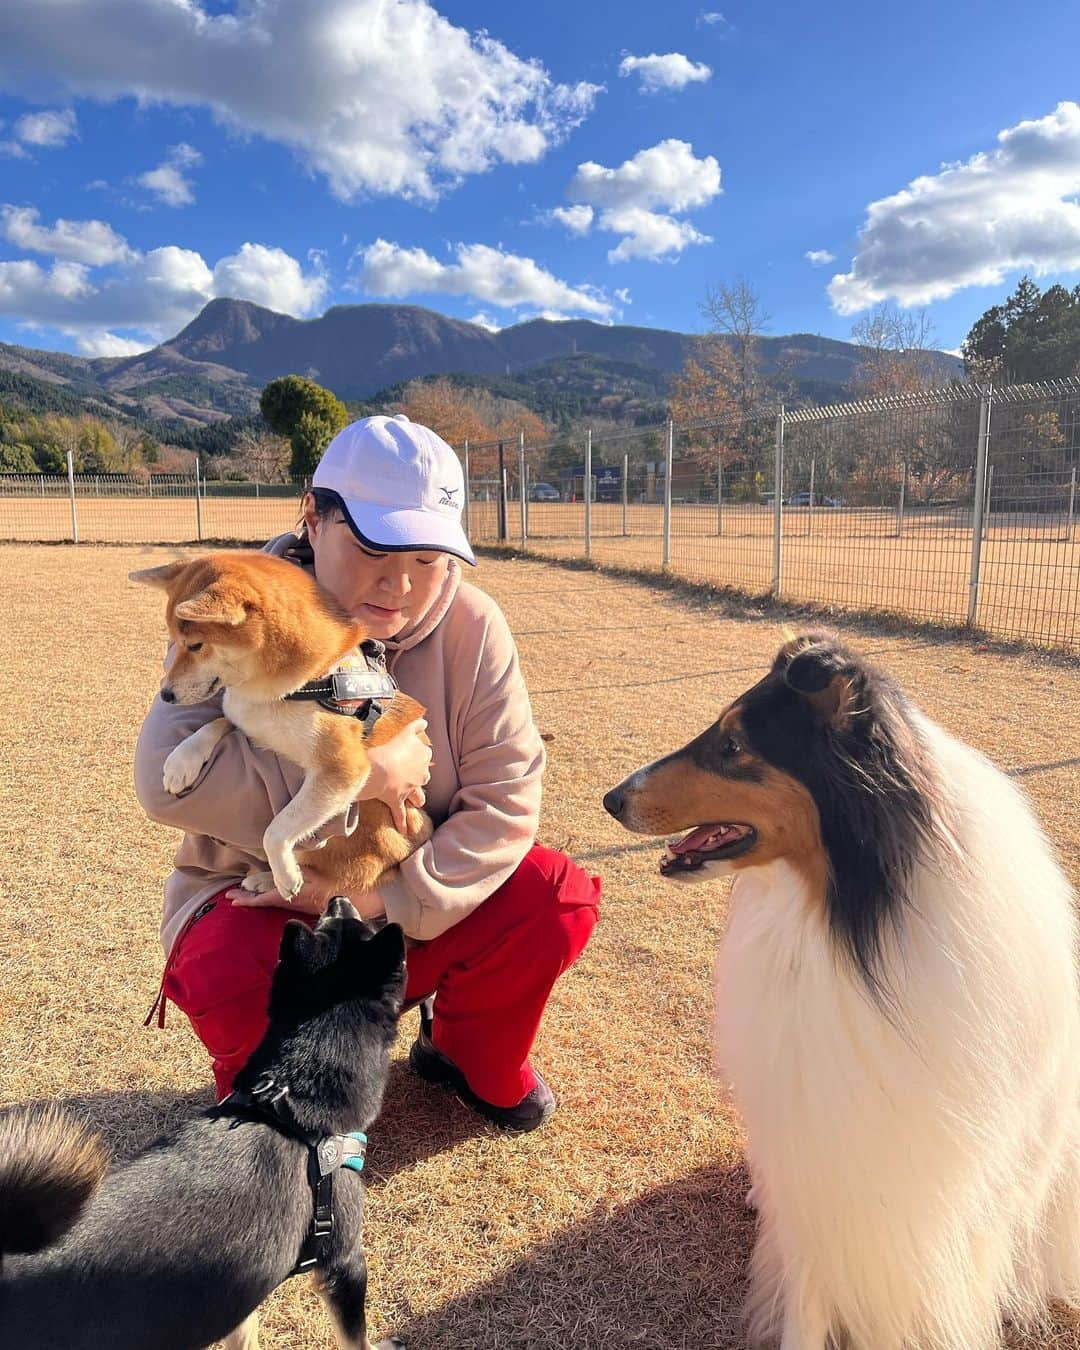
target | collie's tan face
[
  {"x": 739, "y": 810},
  {"x": 211, "y": 627}
]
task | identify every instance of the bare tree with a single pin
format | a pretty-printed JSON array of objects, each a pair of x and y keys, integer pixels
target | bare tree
[
  {"x": 262, "y": 456},
  {"x": 898, "y": 352},
  {"x": 735, "y": 312},
  {"x": 129, "y": 439}
]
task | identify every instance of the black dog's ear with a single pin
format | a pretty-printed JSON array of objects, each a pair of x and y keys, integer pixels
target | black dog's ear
[
  {"x": 384, "y": 954},
  {"x": 298, "y": 944},
  {"x": 826, "y": 678}
]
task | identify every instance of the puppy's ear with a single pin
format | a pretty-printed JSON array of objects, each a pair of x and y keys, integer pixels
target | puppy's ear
[
  {"x": 298, "y": 946},
  {"x": 162, "y": 577},
  {"x": 826, "y": 678},
  {"x": 214, "y": 605}
]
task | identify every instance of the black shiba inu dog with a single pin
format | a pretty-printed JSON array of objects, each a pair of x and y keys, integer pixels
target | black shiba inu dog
[{"x": 178, "y": 1247}]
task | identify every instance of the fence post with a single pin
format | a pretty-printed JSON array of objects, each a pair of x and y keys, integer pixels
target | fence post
[
  {"x": 523, "y": 488},
  {"x": 810, "y": 504},
  {"x": 626, "y": 490},
  {"x": 71, "y": 493},
  {"x": 669, "y": 459},
  {"x": 989, "y": 498},
  {"x": 465, "y": 475},
  {"x": 1072, "y": 508},
  {"x": 588, "y": 493},
  {"x": 902, "y": 501},
  {"x": 982, "y": 454},
  {"x": 198, "y": 501},
  {"x": 503, "y": 536},
  {"x": 778, "y": 505},
  {"x": 719, "y": 491}
]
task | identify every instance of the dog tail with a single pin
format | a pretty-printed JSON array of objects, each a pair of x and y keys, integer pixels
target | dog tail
[{"x": 50, "y": 1166}]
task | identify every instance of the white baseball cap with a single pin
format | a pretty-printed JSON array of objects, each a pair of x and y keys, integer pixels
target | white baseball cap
[{"x": 400, "y": 486}]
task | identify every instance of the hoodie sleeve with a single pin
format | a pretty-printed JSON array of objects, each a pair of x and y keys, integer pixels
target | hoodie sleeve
[
  {"x": 493, "y": 816},
  {"x": 240, "y": 790}
]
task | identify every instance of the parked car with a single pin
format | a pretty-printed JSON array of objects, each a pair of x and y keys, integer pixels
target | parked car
[
  {"x": 803, "y": 499},
  {"x": 543, "y": 492}
]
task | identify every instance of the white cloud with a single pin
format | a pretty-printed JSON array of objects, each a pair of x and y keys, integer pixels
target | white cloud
[
  {"x": 667, "y": 175},
  {"x": 486, "y": 321},
  {"x": 109, "y": 344},
  {"x": 12, "y": 150},
  {"x": 972, "y": 223},
  {"x": 137, "y": 299},
  {"x": 380, "y": 99},
  {"x": 83, "y": 241},
  {"x": 818, "y": 257},
  {"x": 487, "y": 274},
  {"x": 712, "y": 18},
  {"x": 47, "y": 129},
  {"x": 168, "y": 181},
  {"x": 270, "y": 277},
  {"x": 649, "y": 234},
  {"x": 622, "y": 294},
  {"x": 577, "y": 219},
  {"x": 673, "y": 70}
]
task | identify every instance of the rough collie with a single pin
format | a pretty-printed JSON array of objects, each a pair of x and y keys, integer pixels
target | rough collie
[{"x": 897, "y": 1010}]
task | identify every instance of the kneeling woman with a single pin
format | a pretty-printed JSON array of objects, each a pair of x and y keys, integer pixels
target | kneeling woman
[{"x": 495, "y": 917}]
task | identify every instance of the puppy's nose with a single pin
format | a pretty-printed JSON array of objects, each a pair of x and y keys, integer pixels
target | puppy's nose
[
  {"x": 167, "y": 695},
  {"x": 613, "y": 802}
]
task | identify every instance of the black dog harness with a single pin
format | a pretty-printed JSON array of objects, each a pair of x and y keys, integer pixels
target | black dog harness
[
  {"x": 360, "y": 686},
  {"x": 268, "y": 1101}
]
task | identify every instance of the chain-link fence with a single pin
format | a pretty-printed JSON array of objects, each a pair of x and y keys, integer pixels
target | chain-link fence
[{"x": 955, "y": 506}]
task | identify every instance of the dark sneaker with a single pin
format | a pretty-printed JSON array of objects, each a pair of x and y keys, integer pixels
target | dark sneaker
[{"x": 533, "y": 1109}]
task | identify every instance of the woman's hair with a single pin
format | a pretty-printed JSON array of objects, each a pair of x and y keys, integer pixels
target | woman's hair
[{"x": 324, "y": 502}]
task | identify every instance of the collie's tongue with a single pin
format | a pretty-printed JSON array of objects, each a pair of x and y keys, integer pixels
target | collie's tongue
[{"x": 706, "y": 838}]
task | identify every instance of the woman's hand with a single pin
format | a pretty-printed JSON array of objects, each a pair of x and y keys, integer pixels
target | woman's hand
[
  {"x": 311, "y": 898},
  {"x": 399, "y": 771}
]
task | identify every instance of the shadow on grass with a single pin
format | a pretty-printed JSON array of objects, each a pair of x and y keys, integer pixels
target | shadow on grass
[
  {"x": 417, "y": 1120},
  {"x": 665, "y": 1270}
]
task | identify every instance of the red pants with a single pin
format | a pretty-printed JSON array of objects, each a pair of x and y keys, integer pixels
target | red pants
[{"x": 493, "y": 973}]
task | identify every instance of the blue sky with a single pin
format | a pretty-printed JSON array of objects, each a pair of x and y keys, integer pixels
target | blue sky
[{"x": 302, "y": 153}]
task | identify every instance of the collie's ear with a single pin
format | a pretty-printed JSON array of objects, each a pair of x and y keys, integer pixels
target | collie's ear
[
  {"x": 212, "y": 606},
  {"x": 162, "y": 577},
  {"x": 826, "y": 679}
]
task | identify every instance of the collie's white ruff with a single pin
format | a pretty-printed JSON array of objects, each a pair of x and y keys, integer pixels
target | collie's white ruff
[{"x": 916, "y": 1167}]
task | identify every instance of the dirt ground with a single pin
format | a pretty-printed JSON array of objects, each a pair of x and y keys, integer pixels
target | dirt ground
[{"x": 620, "y": 1224}]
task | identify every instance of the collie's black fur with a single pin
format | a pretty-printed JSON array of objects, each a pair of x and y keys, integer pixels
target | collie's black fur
[
  {"x": 844, "y": 731},
  {"x": 181, "y": 1244}
]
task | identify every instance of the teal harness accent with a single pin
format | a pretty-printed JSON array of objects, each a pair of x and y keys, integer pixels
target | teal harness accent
[{"x": 355, "y": 1163}]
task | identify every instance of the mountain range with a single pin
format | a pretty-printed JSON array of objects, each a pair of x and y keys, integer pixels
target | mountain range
[{"x": 216, "y": 366}]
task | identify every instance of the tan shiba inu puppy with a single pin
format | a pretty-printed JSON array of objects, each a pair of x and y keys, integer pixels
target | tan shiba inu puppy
[{"x": 262, "y": 629}]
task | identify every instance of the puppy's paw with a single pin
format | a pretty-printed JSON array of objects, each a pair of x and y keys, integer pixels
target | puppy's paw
[
  {"x": 390, "y": 1343},
  {"x": 182, "y": 768},
  {"x": 258, "y": 882},
  {"x": 288, "y": 879},
  {"x": 751, "y": 1200}
]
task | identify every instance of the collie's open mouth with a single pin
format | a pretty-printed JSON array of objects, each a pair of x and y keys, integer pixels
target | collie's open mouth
[{"x": 708, "y": 843}]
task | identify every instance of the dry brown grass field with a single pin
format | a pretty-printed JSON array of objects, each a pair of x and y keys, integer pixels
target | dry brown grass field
[
  {"x": 850, "y": 559},
  {"x": 619, "y": 1225}
]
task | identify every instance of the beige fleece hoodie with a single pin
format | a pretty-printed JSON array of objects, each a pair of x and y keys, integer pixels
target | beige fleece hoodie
[{"x": 460, "y": 662}]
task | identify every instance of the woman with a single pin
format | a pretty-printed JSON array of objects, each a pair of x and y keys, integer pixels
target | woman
[{"x": 495, "y": 917}]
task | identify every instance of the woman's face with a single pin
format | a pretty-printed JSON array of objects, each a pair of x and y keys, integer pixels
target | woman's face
[{"x": 386, "y": 592}]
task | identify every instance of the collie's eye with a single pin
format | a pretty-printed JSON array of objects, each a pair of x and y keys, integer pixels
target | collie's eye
[
  {"x": 731, "y": 747},
  {"x": 195, "y": 647}
]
